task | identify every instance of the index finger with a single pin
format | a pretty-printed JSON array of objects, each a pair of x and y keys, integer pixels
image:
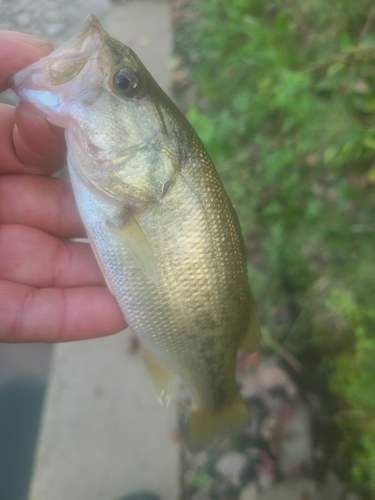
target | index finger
[
  {"x": 18, "y": 50},
  {"x": 33, "y": 145}
]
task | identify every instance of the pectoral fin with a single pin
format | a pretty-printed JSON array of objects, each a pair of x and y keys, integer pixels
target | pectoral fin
[
  {"x": 251, "y": 339},
  {"x": 161, "y": 377},
  {"x": 137, "y": 244}
]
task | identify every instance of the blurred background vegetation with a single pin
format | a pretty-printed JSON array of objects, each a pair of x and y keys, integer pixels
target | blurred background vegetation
[{"x": 283, "y": 96}]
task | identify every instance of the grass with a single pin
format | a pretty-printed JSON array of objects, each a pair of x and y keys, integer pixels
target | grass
[{"x": 284, "y": 100}]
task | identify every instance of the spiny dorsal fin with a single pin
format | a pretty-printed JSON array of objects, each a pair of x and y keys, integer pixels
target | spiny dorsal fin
[{"x": 251, "y": 339}]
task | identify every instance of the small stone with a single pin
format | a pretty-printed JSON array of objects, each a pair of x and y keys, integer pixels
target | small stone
[
  {"x": 250, "y": 492},
  {"x": 269, "y": 376},
  {"x": 352, "y": 496},
  {"x": 301, "y": 489},
  {"x": 249, "y": 388},
  {"x": 266, "y": 470},
  {"x": 332, "y": 488},
  {"x": 361, "y": 87},
  {"x": 200, "y": 495},
  {"x": 295, "y": 442},
  {"x": 230, "y": 465}
]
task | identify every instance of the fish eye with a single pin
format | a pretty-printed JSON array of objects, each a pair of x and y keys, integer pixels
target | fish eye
[{"x": 127, "y": 83}]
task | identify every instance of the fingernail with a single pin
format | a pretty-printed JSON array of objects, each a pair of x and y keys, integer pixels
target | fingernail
[{"x": 34, "y": 40}]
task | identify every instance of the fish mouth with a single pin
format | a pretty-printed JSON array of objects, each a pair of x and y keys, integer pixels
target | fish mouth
[{"x": 78, "y": 67}]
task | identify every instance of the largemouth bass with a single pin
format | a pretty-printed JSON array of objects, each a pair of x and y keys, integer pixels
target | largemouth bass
[{"x": 161, "y": 225}]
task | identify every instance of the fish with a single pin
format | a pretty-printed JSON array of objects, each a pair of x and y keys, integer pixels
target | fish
[{"x": 163, "y": 229}]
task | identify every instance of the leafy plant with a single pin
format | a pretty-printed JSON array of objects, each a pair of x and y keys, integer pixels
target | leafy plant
[{"x": 284, "y": 101}]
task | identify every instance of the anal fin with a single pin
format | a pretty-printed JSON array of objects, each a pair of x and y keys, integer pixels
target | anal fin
[{"x": 161, "y": 377}]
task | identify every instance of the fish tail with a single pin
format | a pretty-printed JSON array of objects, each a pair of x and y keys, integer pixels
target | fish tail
[{"x": 204, "y": 426}]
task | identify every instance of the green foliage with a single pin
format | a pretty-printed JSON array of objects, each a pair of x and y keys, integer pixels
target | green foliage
[
  {"x": 201, "y": 480},
  {"x": 285, "y": 104}
]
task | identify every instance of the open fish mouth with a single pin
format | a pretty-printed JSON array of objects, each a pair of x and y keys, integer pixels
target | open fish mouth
[{"x": 51, "y": 83}]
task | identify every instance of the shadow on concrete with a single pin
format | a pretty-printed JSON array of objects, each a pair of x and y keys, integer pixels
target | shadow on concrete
[{"x": 20, "y": 409}]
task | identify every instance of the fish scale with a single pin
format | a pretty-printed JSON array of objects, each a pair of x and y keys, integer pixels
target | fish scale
[{"x": 163, "y": 229}]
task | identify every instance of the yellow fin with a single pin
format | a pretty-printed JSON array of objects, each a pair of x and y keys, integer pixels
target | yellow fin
[
  {"x": 161, "y": 377},
  {"x": 251, "y": 339},
  {"x": 136, "y": 242},
  {"x": 203, "y": 426}
]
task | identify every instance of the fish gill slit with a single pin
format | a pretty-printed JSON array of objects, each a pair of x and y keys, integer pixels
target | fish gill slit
[{"x": 158, "y": 109}]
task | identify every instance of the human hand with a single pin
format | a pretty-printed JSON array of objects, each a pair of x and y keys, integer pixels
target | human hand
[{"x": 51, "y": 289}]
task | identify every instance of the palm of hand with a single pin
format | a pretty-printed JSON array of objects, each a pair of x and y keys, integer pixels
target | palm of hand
[{"x": 51, "y": 289}]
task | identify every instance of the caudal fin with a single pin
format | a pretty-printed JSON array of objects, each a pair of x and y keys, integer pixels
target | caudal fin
[{"x": 203, "y": 427}]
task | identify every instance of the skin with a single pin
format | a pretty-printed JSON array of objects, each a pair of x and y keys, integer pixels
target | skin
[{"x": 51, "y": 289}]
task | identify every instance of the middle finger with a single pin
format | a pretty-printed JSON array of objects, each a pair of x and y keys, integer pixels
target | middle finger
[
  {"x": 37, "y": 259},
  {"x": 43, "y": 202}
]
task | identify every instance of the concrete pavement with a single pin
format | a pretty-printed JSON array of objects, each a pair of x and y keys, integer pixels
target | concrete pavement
[{"x": 103, "y": 434}]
